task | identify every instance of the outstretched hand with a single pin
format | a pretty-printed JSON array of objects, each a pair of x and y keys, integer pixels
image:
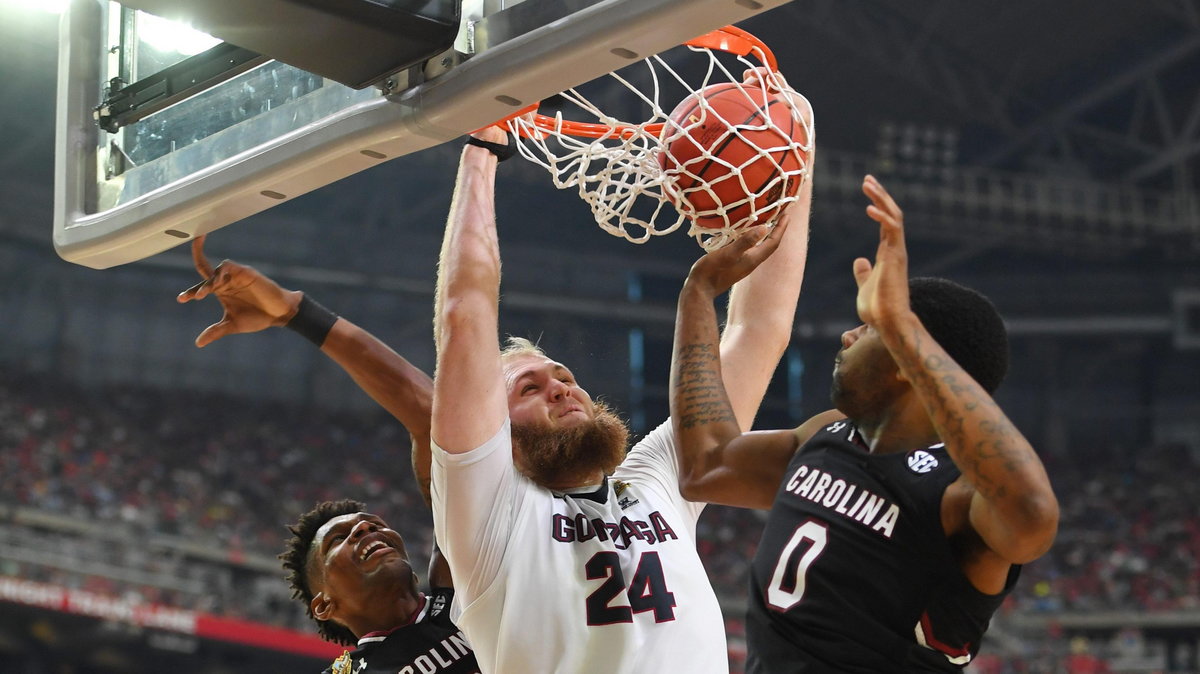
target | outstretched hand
[
  {"x": 718, "y": 270},
  {"x": 883, "y": 286},
  {"x": 252, "y": 302}
]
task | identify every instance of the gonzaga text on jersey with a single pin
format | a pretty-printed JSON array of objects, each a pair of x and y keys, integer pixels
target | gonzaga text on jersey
[{"x": 580, "y": 529}]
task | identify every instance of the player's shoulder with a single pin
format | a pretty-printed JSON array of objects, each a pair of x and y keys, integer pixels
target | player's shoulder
[
  {"x": 653, "y": 449},
  {"x": 831, "y": 421}
]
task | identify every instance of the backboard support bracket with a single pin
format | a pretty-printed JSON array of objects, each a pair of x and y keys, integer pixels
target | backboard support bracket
[
  {"x": 535, "y": 59},
  {"x": 130, "y": 103}
]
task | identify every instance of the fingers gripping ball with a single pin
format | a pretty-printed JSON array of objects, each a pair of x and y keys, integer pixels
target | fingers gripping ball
[{"x": 731, "y": 152}]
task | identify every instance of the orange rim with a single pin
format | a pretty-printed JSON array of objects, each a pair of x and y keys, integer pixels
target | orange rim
[{"x": 730, "y": 39}]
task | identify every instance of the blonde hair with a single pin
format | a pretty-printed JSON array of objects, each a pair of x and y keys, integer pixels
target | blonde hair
[{"x": 519, "y": 346}]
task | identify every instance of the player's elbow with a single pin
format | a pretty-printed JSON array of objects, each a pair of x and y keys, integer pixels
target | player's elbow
[
  {"x": 1038, "y": 527},
  {"x": 704, "y": 479},
  {"x": 700, "y": 490},
  {"x": 688, "y": 491},
  {"x": 724, "y": 489},
  {"x": 693, "y": 489},
  {"x": 460, "y": 316},
  {"x": 696, "y": 475},
  {"x": 692, "y": 476}
]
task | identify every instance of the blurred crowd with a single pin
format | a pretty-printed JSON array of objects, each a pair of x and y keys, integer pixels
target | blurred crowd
[
  {"x": 1129, "y": 536},
  {"x": 221, "y": 474},
  {"x": 229, "y": 474}
]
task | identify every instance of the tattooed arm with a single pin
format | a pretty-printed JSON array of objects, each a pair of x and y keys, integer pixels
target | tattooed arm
[
  {"x": 1013, "y": 507},
  {"x": 717, "y": 462},
  {"x": 762, "y": 308}
]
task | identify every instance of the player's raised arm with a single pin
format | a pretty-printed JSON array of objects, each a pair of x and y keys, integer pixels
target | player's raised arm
[
  {"x": 718, "y": 463},
  {"x": 397, "y": 385},
  {"x": 253, "y": 302},
  {"x": 469, "y": 399},
  {"x": 1013, "y": 508},
  {"x": 762, "y": 307}
]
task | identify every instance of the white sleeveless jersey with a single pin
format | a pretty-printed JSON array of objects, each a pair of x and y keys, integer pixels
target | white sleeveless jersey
[{"x": 607, "y": 582}]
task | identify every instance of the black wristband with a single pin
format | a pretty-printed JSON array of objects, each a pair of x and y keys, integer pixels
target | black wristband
[
  {"x": 502, "y": 152},
  {"x": 312, "y": 321}
]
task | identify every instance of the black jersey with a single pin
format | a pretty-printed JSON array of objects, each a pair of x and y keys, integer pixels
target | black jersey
[
  {"x": 431, "y": 644},
  {"x": 854, "y": 572}
]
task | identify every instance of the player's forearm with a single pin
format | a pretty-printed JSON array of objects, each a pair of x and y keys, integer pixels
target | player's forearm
[
  {"x": 702, "y": 415},
  {"x": 766, "y": 292},
  {"x": 982, "y": 441},
  {"x": 399, "y": 387},
  {"x": 718, "y": 462},
  {"x": 469, "y": 402},
  {"x": 761, "y": 314},
  {"x": 469, "y": 262}
]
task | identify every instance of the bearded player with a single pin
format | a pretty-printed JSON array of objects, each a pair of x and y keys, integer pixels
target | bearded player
[
  {"x": 900, "y": 519},
  {"x": 570, "y": 555}
]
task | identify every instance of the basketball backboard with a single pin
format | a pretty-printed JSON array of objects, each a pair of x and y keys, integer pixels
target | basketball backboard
[{"x": 273, "y": 131}]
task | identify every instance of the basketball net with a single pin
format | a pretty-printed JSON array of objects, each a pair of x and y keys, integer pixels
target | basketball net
[{"x": 615, "y": 164}]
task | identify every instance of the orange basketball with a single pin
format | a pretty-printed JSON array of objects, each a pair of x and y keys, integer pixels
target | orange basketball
[{"x": 730, "y": 153}]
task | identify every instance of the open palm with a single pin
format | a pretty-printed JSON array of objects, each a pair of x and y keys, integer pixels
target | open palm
[
  {"x": 725, "y": 266},
  {"x": 883, "y": 286},
  {"x": 252, "y": 302}
]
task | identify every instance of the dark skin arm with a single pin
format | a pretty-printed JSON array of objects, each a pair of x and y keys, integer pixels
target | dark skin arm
[
  {"x": 1009, "y": 503},
  {"x": 397, "y": 385},
  {"x": 719, "y": 463},
  {"x": 439, "y": 569},
  {"x": 253, "y": 302}
]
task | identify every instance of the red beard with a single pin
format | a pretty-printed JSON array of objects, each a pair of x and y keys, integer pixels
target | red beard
[{"x": 567, "y": 457}]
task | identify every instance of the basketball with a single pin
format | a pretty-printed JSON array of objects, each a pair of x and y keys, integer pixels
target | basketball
[{"x": 731, "y": 152}]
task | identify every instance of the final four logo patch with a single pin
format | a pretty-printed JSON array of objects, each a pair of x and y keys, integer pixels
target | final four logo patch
[
  {"x": 342, "y": 664},
  {"x": 626, "y": 501},
  {"x": 619, "y": 488}
]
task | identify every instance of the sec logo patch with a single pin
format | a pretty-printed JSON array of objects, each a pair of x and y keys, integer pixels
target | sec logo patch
[{"x": 922, "y": 461}]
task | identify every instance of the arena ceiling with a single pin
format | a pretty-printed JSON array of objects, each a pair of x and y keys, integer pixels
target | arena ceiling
[{"x": 1103, "y": 92}]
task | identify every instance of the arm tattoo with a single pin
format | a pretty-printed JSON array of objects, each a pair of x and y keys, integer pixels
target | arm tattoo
[
  {"x": 701, "y": 392},
  {"x": 984, "y": 443}
]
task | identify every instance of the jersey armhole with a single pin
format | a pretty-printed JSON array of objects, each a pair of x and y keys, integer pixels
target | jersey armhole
[{"x": 814, "y": 425}]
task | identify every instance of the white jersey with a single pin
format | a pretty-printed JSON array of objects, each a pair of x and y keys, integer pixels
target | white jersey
[{"x": 606, "y": 582}]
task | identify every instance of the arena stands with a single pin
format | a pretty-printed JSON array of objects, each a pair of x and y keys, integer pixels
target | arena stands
[
  {"x": 1130, "y": 534},
  {"x": 178, "y": 500}
]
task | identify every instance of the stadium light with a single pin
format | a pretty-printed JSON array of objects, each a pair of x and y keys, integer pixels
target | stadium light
[{"x": 172, "y": 36}]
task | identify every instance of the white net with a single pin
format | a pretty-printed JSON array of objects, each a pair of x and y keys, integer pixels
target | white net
[{"x": 636, "y": 188}]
